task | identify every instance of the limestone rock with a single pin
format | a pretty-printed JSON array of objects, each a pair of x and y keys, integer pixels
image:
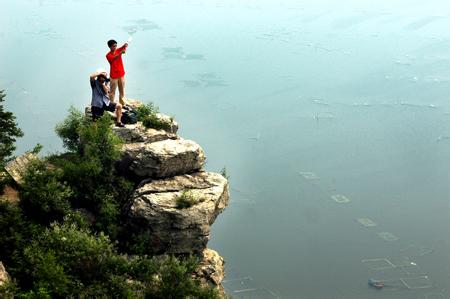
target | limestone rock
[
  {"x": 168, "y": 119},
  {"x": 138, "y": 133},
  {"x": 153, "y": 211},
  {"x": 4, "y": 277},
  {"x": 161, "y": 159},
  {"x": 17, "y": 167},
  {"x": 211, "y": 270}
]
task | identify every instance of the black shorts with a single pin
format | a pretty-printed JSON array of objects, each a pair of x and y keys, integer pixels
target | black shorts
[{"x": 98, "y": 112}]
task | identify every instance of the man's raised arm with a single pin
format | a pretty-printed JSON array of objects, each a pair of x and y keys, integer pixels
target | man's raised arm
[{"x": 119, "y": 51}]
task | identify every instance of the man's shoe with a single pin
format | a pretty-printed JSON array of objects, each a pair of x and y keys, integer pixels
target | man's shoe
[{"x": 120, "y": 125}]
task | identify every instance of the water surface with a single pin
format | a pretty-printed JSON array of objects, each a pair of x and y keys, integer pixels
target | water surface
[{"x": 301, "y": 102}]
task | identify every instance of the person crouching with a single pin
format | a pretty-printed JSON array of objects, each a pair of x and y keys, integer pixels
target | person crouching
[{"x": 100, "y": 100}]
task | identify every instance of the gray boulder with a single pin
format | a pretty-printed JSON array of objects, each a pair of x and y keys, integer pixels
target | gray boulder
[
  {"x": 161, "y": 159},
  {"x": 154, "y": 212},
  {"x": 138, "y": 133}
]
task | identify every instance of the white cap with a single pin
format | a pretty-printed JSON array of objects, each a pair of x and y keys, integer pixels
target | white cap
[{"x": 101, "y": 70}]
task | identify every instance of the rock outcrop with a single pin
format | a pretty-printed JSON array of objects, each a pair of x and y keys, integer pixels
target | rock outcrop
[
  {"x": 153, "y": 211},
  {"x": 211, "y": 270},
  {"x": 4, "y": 277},
  {"x": 169, "y": 167},
  {"x": 138, "y": 133},
  {"x": 162, "y": 159}
]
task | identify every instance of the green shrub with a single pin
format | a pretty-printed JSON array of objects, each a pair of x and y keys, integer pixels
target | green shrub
[
  {"x": 69, "y": 130},
  {"x": 185, "y": 200},
  {"x": 154, "y": 122},
  {"x": 52, "y": 251},
  {"x": 174, "y": 280},
  {"x": 107, "y": 218},
  {"x": 65, "y": 258},
  {"x": 44, "y": 196},
  {"x": 146, "y": 109},
  {"x": 99, "y": 142},
  {"x": 9, "y": 132},
  {"x": 17, "y": 231},
  {"x": 147, "y": 114}
]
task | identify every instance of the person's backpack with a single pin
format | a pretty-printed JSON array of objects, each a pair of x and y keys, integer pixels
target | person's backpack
[{"x": 129, "y": 117}]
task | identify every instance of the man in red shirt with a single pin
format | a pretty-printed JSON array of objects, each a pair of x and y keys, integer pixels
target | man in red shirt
[{"x": 117, "y": 72}]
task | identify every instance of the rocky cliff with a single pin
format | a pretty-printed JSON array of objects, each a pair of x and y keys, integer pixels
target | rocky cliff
[
  {"x": 175, "y": 202},
  {"x": 170, "y": 168}
]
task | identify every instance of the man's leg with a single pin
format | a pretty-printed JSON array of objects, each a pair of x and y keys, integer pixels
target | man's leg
[
  {"x": 96, "y": 113},
  {"x": 121, "y": 83},
  {"x": 119, "y": 113},
  {"x": 112, "y": 89}
]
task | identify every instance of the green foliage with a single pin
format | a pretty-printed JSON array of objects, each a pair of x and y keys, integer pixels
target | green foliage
[
  {"x": 52, "y": 250},
  {"x": 8, "y": 289},
  {"x": 186, "y": 199},
  {"x": 108, "y": 216},
  {"x": 91, "y": 173},
  {"x": 17, "y": 231},
  {"x": 69, "y": 130},
  {"x": 9, "y": 132},
  {"x": 146, "y": 109},
  {"x": 99, "y": 142},
  {"x": 147, "y": 114},
  {"x": 45, "y": 197},
  {"x": 65, "y": 258},
  {"x": 174, "y": 280},
  {"x": 37, "y": 149},
  {"x": 154, "y": 122},
  {"x": 68, "y": 261}
]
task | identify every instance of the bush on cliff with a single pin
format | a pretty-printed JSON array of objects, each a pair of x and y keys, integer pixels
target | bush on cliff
[
  {"x": 186, "y": 199},
  {"x": 148, "y": 115},
  {"x": 8, "y": 134},
  {"x": 89, "y": 169},
  {"x": 69, "y": 130},
  {"x": 67, "y": 261},
  {"x": 44, "y": 196},
  {"x": 51, "y": 250}
]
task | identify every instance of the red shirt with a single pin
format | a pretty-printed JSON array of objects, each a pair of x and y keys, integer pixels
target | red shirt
[{"x": 115, "y": 60}]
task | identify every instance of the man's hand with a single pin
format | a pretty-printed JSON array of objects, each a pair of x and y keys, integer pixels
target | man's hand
[{"x": 125, "y": 46}]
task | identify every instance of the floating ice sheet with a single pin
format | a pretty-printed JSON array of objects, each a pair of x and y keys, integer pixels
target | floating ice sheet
[
  {"x": 421, "y": 282},
  {"x": 366, "y": 222},
  {"x": 309, "y": 175},
  {"x": 378, "y": 264},
  {"x": 339, "y": 198},
  {"x": 387, "y": 236}
]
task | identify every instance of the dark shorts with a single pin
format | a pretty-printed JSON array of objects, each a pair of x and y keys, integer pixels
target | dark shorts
[{"x": 98, "y": 112}]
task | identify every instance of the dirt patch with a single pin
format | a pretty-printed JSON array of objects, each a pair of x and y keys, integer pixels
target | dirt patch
[{"x": 10, "y": 194}]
